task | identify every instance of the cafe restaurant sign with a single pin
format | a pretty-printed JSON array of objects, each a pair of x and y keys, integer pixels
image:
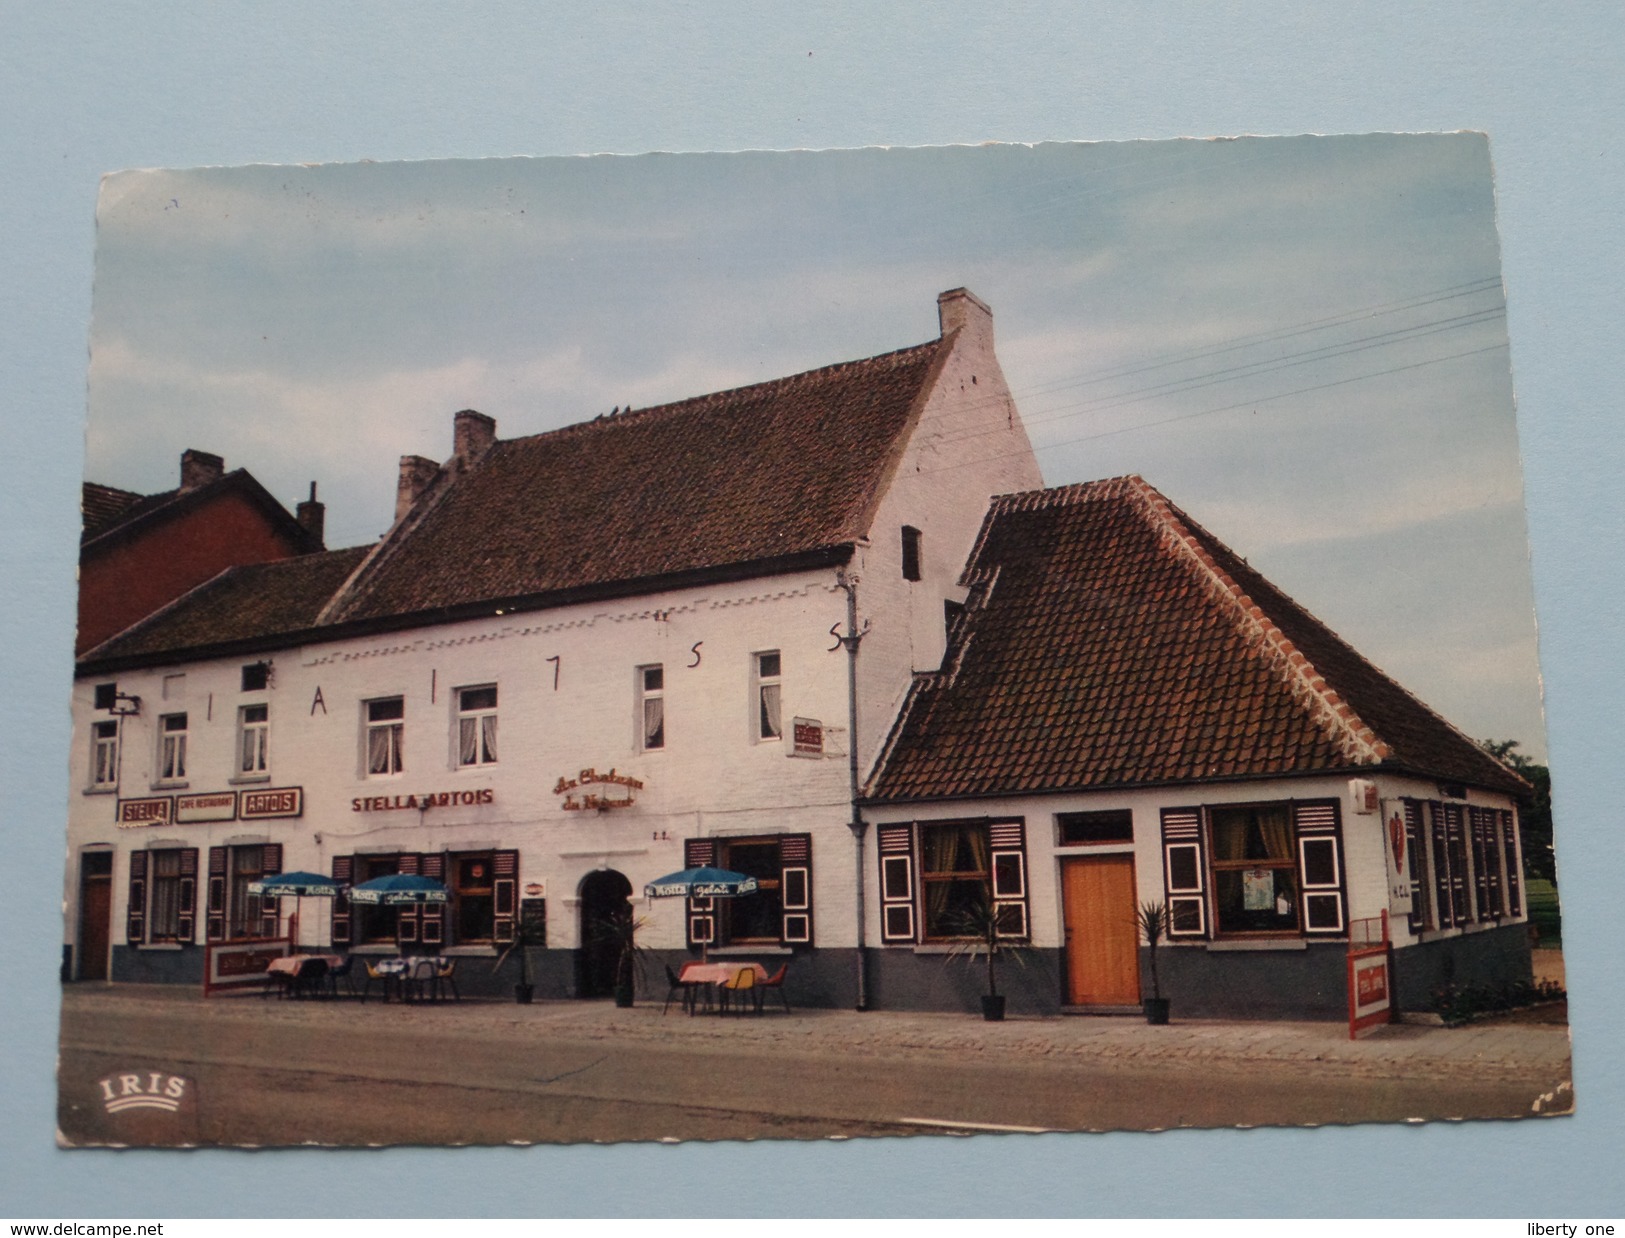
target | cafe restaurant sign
[
  {"x": 209, "y": 806},
  {"x": 576, "y": 800},
  {"x": 429, "y": 799}
]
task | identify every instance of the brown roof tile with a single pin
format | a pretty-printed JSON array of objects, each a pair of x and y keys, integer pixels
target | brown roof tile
[
  {"x": 762, "y": 472},
  {"x": 1116, "y": 642},
  {"x": 240, "y": 605}
]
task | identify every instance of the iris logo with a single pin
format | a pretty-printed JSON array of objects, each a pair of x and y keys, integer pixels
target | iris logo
[{"x": 152, "y": 1090}]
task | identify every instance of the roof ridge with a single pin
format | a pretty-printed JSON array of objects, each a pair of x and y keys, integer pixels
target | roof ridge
[
  {"x": 1357, "y": 740},
  {"x": 689, "y": 403}
]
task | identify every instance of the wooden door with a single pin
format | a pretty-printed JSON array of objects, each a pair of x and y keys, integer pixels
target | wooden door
[
  {"x": 1102, "y": 941},
  {"x": 95, "y": 925}
]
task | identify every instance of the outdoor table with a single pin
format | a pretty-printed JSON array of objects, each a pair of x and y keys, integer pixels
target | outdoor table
[
  {"x": 289, "y": 966},
  {"x": 716, "y": 974},
  {"x": 408, "y": 973}
]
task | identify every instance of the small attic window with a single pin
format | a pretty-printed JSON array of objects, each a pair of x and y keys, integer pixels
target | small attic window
[
  {"x": 256, "y": 676},
  {"x": 911, "y": 553}
]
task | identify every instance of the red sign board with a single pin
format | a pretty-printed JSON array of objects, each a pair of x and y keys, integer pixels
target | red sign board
[
  {"x": 807, "y": 735},
  {"x": 276, "y": 802}
]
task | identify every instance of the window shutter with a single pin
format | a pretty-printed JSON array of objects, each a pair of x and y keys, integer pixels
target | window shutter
[
  {"x": 135, "y": 911},
  {"x": 1509, "y": 844},
  {"x": 1456, "y": 845},
  {"x": 504, "y": 895},
  {"x": 1320, "y": 867},
  {"x": 1486, "y": 861},
  {"x": 1444, "y": 905},
  {"x": 406, "y": 919},
  {"x": 432, "y": 916},
  {"x": 215, "y": 916},
  {"x": 187, "y": 919},
  {"x": 894, "y": 845},
  {"x": 795, "y": 888},
  {"x": 1421, "y": 887},
  {"x": 702, "y": 922},
  {"x": 1007, "y": 853},
  {"x": 343, "y": 873},
  {"x": 1184, "y": 872},
  {"x": 270, "y": 908}
]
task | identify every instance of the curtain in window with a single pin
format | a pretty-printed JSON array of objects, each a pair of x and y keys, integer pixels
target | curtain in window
[
  {"x": 654, "y": 721},
  {"x": 1276, "y": 828},
  {"x": 163, "y": 918},
  {"x": 770, "y": 711},
  {"x": 383, "y": 750},
  {"x": 488, "y": 737},
  {"x": 957, "y": 849}
]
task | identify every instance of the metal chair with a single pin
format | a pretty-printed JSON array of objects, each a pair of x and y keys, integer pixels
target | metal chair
[
  {"x": 445, "y": 973},
  {"x": 775, "y": 982},
  {"x": 345, "y": 972},
  {"x": 680, "y": 988},
  {"x": 382, "y": 977},
  {"x": 309, "y": 980}
]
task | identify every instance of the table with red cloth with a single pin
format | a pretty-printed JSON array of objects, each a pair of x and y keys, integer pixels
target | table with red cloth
[{"x": 715, "y": 974}]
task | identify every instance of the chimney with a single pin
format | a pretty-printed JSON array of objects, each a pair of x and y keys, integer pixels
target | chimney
[
  {"x": 199, "y": 468},
  {"x": 472, "y": 436},
  {"x": 959, "y": 307},
  {"x": 312, "y": 516},
  {"x": 417, "y": 472}
]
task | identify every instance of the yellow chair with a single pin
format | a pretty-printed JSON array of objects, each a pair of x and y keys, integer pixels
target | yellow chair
[{"x": 744, "y": 981}]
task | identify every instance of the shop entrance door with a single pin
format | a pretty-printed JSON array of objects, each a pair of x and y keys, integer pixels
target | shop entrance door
[
  {"x": 1102, "y": 941},
  {"x": 95, "y": 913},
  {"x": 603, "y": 904}
]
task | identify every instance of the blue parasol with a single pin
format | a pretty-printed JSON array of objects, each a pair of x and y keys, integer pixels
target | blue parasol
[
  {"x": 297, "y": 886},
  {"x": 703, "y": 882},
  {"x": 398, "y": 889}
]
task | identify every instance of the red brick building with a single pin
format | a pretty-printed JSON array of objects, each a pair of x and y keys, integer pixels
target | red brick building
[{"x": 140, "y": 552}]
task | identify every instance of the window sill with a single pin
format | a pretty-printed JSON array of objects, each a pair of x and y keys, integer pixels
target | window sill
[
  {"x": 101, "y": 790},
  {"x": 739, "y": 952},
  {"x": 170, "y": 786},
  {"x": 377, "y": 949},
  {"x": 475, "y": 950},
  {"x": 1273, "y": 943},
  {"x": 161, "y": 945},
  {"x": 241, "y": 779}
]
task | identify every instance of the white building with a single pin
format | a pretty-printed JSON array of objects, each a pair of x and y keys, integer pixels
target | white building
[{"x": 576, "y": 662}]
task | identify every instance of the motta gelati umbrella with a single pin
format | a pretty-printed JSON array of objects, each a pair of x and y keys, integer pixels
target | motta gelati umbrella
[
  {"x": 298, "y": 886},
  {"x": 702, "y": 882},
  {"x": 400, "y": 889}
]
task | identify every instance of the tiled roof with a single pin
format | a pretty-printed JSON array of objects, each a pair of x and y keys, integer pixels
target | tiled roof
[
  {"x": 241, "y": 604},
  {"x": 745, "y": 476},
  {"x": 106, "y": 506},
  {"x": 1110, "y": 641}
]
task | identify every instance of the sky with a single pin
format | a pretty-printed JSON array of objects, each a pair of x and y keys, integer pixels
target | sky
[{"x": 1300, "y": 341}]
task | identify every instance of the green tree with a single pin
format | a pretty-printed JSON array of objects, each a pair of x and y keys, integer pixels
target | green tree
[{"x": 1536, "y": 808}]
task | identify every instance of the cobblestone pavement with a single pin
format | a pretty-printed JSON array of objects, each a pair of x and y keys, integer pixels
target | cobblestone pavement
[{"x": 1492, "y": 1048}]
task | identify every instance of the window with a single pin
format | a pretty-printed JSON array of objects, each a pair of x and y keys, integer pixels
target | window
[
  {"x": 164, "y": 896},
  {"x": 244, "y": 914},
  {"x": 651, "y": 708},
  {"x": 374, "y": 922},
  {"x": 779, "y": 912},
  {"x": 939, "y": 881},
  {"x": 1255, "y": 886},
  {"x": 477, "y": 726},
  {"x": 1257, "y": 869},
  {"x": 172, "y": 748},
  {"x": 473, "y": 897},
  {"x": 103, "y": 754},
  {"x": 1464, "y": 864},
  {"x": 256, "y": 676},
  {"x": 253, "y": 739},
  {"x": 163, "y": 892},
  {"x": 911, "y": 553},
  {"x": 1076, "y": 829},
  {"x": 768, "y": 723},
  {"x": 386, "y": 725}
]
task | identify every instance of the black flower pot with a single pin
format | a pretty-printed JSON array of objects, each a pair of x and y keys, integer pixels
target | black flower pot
[
  {"x": 1156, "y": 1010},
  {"x": 522, "y": 993},
  {"x": 623, "y": 995},
  {"x": 993, "y": 1008}
]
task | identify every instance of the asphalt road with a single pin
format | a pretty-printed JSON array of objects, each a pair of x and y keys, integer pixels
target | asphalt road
[{"x": 433, "y": 1077}]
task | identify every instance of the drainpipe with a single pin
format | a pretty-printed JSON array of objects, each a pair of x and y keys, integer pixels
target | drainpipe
[{"x": 857, "y": 824}]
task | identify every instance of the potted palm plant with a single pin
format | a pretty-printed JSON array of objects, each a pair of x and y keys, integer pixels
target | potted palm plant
[
  {"x": 979, "y": 925},
  {"x": 622, "y": 930},
  {"x": 525, "y": 935},
  {"x": 1152, "y": 921}
]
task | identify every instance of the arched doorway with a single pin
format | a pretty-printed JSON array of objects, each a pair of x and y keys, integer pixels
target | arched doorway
[{"x": 603, "y": 897}]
